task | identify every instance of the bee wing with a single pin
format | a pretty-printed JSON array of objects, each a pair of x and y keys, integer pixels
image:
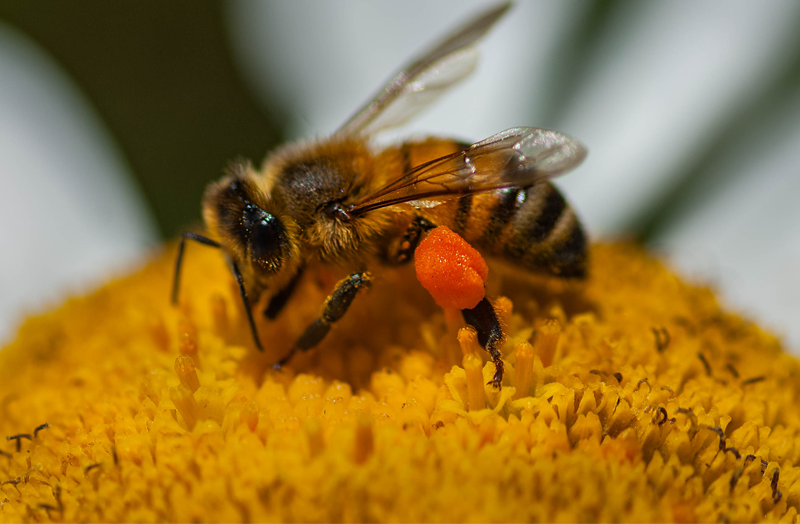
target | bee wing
[
  {"x": 516, "y": 157},
  {"x": 421, "y": 82}
]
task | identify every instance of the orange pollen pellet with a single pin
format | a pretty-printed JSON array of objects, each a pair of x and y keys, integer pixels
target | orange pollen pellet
[{"x": 452, "y": 271}]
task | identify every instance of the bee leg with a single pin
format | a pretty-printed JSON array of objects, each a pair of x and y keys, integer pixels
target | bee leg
[
  {"x": 279, "y": 300},
  {"x": 336, "y": 306},
  {"x": 490, "y": 334},
  {"x": 404, "y": 251},
  {"x": 236, "y": 273},
  {"x": 240, "y": 280},
  {"x": 179, "y": 259}
]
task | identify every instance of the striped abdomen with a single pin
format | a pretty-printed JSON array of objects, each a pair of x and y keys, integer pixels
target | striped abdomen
[{"x": 533, "y": 228}]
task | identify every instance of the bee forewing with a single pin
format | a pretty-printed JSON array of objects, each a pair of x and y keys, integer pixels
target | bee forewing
[
  {"x": 517, "y": 157},
  {"x": 538, "y": 152},
  {"x": 421, "y": 82}
]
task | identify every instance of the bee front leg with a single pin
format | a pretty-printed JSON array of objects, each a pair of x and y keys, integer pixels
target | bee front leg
[
  {"x": 243, "y": 293},
  {"x": 336, "y": 305},
  {"x": 490, "y": 334},
  {"x": 176, "y": 279},
  {"x": 234, "y": 268}
]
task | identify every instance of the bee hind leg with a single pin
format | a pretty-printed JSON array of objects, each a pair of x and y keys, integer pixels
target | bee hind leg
[
  {"x": 490, "y": 334},
  {"x": 336, "y": 305}
]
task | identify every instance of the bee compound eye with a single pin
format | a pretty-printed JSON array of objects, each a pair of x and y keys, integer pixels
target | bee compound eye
[{"x": 265, "y": 241}]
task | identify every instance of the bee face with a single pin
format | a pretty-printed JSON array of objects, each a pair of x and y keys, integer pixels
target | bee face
[
  {"x": 266, "y": 237},
  {"x": 239, "y": 212},
  {"x": 274, "y": 221}
]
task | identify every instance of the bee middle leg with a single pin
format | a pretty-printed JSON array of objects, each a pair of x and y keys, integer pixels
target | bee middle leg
[
  {"x": 490, "y": 334},
  {"x": 279, "y": 300},
  {"x": 404, "y": 251},
  {"x": 336, "y": 305}
]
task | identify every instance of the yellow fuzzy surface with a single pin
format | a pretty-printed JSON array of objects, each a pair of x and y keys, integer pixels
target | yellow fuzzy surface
[{"x": 162, "y": 413}]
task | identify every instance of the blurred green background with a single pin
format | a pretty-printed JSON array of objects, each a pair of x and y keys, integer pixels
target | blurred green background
[{"x": 162, "y": 78}]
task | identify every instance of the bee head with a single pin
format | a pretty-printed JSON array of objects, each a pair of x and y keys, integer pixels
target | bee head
[
  {"x": 237, "y": 210},
  {"x": 264, "y": 237}
]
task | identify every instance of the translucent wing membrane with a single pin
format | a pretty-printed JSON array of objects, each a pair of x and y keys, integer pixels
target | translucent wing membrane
[
  {"x": 413, "y": 97},
  {"x": 517, "y": 157},
  {"x": 421, "y": 82}
]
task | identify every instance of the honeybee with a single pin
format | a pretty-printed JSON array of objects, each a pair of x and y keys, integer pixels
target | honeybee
[{"x": 339, "y": 201}]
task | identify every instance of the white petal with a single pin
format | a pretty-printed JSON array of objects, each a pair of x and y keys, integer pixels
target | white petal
[{"x": 70, "y": 213}]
